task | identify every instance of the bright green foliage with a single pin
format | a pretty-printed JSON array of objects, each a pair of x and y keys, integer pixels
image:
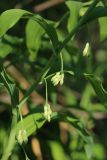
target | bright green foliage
[
  {"x": 5, "y": 49},
  {"x": 34, "y": 34},
  {"x": 57, "y": 150},
  {"x": 9, "y": 18},
  {"x": 103, "y": 24},
  {"x": 31, "y": 123},
  {"x": 74, "y": 8}
]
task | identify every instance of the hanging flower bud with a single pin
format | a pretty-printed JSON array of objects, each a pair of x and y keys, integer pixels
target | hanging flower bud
[
  {"x": 86, "y": 49},
  {"x": 22, "y": 136},
  {"x": 58, "y": 78},
  {"x": 47, "y": 112}
]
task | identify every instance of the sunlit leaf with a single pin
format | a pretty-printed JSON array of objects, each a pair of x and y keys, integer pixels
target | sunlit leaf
[
  {"x": 5, "y": 49},
  {"x": 31, "y": 123},
  {"x": 9, "y": 18},
  {"x": 33, "y": 38},
  {"x": 74, "y": 13},
  {"x": 57, "y": 150},
  {"x": 50, "y": 30},
  {"x": 103, "y": 28}
]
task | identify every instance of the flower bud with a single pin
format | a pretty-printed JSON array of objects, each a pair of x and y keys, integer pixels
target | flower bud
[
  {"x": 22, "y": 136},
  {"x": 58, "y": 78},
  {"x": 86, "y": 49},
  {"x": 47, "y": 112}
]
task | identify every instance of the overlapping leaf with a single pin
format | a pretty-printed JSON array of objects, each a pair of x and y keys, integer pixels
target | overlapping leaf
[
  {"x": 10, "y": 86},
  {"x": 87, "y": 138},
  {"x": 31, "y": 123},
  {"x": 98, "y": 88},
  {"x": 76, "y": 124},
  {"x": 5, "y": 49},
  {"x": 10, "y": 17},
  {"x": 96, "y": 13},
  {"x": 74, "y": 13},
  {"x": 34, "y": 33}
]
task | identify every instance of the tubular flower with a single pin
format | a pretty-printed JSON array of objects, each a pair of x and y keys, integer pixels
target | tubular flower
[
  {"x": 22, "y": 136},
  {"x": 47, "y": 112},
  {"x": 86, "y": 49},
  {"x": 58, "y": 78}
]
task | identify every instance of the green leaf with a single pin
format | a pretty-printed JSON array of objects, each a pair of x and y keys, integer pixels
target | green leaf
[
  {"x": 98, "y": 88},
  {"x": 31, "y": 123},
  {"x": 96, "y": 13},
  {"x": 5, "y": 49},
  {"x": 88, "y": 150},
  {"x": 74, "y": 8},
  {"x": 104, "y": 2},
  {"x": 14, "y": 41},
  {"x": 80, "y": 128},
  {"x": 57, "y": 150},
  {"x": 33, "y": 38},
  {"x": 103, "y": 28},
  {"x": 86, "y": 97},
  {"x": 50, "y": 30},
  {"x": 9, "y": 18},
  {"x": 69, "y": 72},
  {"x": 10, "y": 85},
  {"x": 76, "y": 124}
]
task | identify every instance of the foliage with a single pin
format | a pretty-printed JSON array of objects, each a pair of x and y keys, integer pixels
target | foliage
[{"x": 55, "y": 82}]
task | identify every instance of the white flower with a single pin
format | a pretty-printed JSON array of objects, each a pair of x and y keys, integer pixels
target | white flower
[
  {"x": 47, "y": 112},
  {"x": 58, "y": 78},
  {"x": 86, "y": 49},
  {"x": 22, "y": 136}
]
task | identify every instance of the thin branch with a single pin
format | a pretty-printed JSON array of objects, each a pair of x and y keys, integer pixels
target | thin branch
[{"x": 47, "y": 5}]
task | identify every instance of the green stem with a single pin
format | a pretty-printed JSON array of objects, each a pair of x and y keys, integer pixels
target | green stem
[
  {"x": 11, "y": 140},
  {"x": 80, "y": 23},
  {"x": 53, "y": 58},
  {"x": 46, "y": 91},
  {"x": 32, "y": 88},
  {"x": 62, "y": 65}
]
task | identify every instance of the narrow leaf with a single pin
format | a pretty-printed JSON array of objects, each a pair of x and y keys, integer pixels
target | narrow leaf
[
  {"x": 98, "y": 88},
  {"x": 9, "y": 18},
  {"x": 96, "y": 13},
  {"x": 10, "y": 86},
  {"x": 76, "y": 124}
]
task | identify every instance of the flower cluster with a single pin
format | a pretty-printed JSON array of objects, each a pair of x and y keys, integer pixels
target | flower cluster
[
  {"x": 58, "y": 78},
  {"x": 47, "y": 112},
  {"x": 22, "y": 136}
]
